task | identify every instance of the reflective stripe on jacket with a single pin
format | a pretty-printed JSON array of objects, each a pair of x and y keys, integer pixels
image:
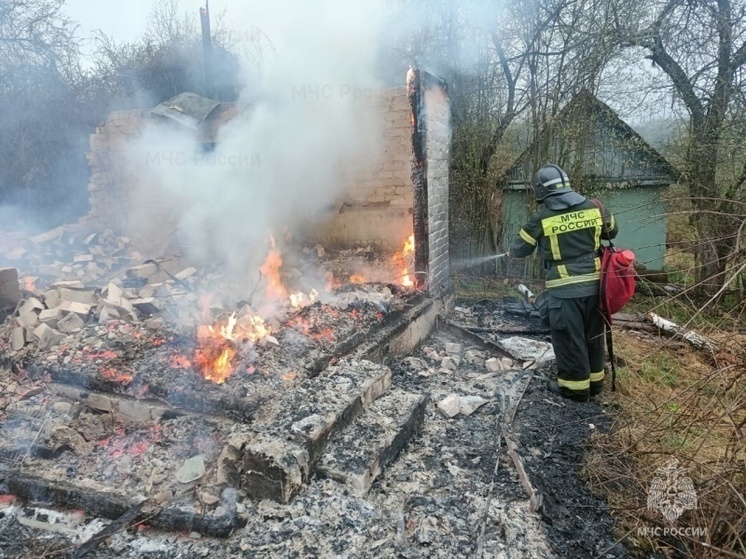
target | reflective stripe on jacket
[{"x": 569, "y": 242}]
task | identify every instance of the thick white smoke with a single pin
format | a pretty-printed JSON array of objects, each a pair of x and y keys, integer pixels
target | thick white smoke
[{"x": 307, "y": 123}]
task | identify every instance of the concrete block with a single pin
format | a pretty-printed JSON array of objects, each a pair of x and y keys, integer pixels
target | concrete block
[
  {"x": 71, "y": 324},
  {"x": 449, "y": 406},
  {"x": 47, "y": 337},
  {"x": 50, "y": 317},
  {"x": 493, "y": 365},
  {"x": 454, "y": 349},
  {"x": 17, "y": 339},
  {"x": 143, "y": 271},
  {"x": 374, "y": 440},
  {"x": 450, "y": 363},
  {"x": 85, "y": 296},
  {"x": 81, "y": 309}
]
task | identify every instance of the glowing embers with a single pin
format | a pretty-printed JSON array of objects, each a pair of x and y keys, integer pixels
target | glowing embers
[{"x": 316, "y": 323}]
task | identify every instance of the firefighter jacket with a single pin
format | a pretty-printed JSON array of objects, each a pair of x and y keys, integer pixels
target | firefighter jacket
[{"x": 567, "y": 232}]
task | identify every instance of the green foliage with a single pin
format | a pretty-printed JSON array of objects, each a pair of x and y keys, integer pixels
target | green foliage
[{"x": 661, "y": 368}]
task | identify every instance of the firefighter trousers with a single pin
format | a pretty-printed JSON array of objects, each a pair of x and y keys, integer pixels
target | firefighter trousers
[{"x": 578, "y": 339}]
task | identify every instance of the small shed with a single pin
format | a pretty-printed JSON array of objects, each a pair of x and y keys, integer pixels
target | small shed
[{"x": 605, "y": 158}]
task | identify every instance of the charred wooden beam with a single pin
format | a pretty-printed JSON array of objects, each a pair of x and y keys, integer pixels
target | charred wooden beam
[
  {"x": 119, "y": 524},
  {"x": 534, "y": 494},
  {"x": 108, "y": 504},
  {"x": 374, "y": 441},
  {"x": 418, "y": 322},
  {"x": 462, "y": 333},
  {"x": 502, "y": 330}
]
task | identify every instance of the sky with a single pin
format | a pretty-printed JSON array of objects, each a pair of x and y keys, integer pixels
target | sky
[
  {"x": 127, "y": 20},
  {"x": 123, "y": 20}
]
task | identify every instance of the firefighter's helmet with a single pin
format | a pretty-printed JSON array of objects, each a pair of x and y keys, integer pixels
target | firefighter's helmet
[{"x": 550, "y": 180}]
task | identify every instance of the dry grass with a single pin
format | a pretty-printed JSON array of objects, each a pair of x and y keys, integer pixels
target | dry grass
[
  {"x": 675, "y": 403},
  {"x": 672, "y": 402}
]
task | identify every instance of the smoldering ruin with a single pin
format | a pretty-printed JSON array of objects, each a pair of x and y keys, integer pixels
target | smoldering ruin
[
  {"x": 335, "y": 403},
  {"x": 250, "y": 346}
]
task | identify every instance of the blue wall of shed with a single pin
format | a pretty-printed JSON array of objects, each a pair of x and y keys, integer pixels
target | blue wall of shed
[{"x": 640, "y": 214}]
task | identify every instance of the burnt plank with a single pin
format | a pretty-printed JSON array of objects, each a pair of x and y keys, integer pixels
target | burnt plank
[
  {"x": 374, "y": 440},
  {"x": 119, "y": 524},
  {"x": 104, "y": 503},
  {"x": 377, "y": 346}
]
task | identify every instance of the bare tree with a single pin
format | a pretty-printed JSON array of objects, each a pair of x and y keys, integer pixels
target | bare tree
[
  {"x": 35, "y": 32},
  {"x": 167, "y": 60},
  {"x": 701, "y": 47},
  {"x": 41, "y": 153}
]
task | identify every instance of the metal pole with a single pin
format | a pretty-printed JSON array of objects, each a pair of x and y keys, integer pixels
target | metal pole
[{"x": 204, "y": 15}]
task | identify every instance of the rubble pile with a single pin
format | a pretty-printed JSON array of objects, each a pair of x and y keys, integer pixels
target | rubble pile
[
  {"x": 69, "y": 253},
  {"x": 67, "y": 279},
  {"x": 71, "y": 279}
]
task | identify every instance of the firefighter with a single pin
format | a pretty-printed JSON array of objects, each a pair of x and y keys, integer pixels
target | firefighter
[{"x": 567, "y": 231}]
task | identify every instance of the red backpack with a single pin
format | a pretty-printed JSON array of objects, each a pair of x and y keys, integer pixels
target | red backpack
[
  {"x": 617, "y": 279},
  {"x": 617, "y": 276}
]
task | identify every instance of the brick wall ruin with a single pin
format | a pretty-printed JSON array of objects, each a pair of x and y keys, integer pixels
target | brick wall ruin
[
  {"x": 438, "y": 151},
  {"x": 114, "y": 182},
  {"x": 431, "y": 141},
  {"x": 378, "y": 205},
  {"x": 110, "y": 178},
  {"x": 374, "y": 207}
]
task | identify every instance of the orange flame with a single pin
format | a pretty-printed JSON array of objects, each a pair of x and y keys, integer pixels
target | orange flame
[
  {"x": 403, "y": 260},
  {"x": 250, "y": 327},
  {"x": 217, "y": 344},
  {"x": 356, "y": 278},
  {"x": 29, "y": 283},
  {"x": 271, "y": 270},
  {"x": 299, "y": 299}
]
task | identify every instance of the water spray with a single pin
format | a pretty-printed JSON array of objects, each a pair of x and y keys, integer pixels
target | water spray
[{"x": 477, "y": 261}]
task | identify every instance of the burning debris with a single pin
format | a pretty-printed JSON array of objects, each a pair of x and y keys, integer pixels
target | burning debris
[
  {"x": 164, "y": 291},
  {"x": 155, "y": 350},
  {"x": 129, "y": 426}
]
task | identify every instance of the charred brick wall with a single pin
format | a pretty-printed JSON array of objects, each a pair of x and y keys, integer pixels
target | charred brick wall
[
  {"x": 437, "y": 123},
  {"x": 374, "y": 205},
  {"x": 431, "y": 142}
]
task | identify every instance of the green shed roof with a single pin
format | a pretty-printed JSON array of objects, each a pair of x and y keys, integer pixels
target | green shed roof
[{"x": 595, "y": 147}]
